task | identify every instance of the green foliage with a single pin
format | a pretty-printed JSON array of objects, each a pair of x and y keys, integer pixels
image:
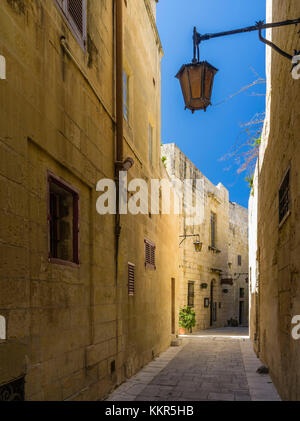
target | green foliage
[
  {"x": 250, "y": 180},
  {"x": 256, "y": 142},
  {"x": 187, "y": 318},
  {"x": 164, "y": 161}
]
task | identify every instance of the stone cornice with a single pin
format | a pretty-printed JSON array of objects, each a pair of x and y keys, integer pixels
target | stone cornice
[{"x": 153, "y": 24}]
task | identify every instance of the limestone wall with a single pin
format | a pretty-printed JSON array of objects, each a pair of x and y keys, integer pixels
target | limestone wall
[
  {"x": 278, "y": 244},
  {"x": 210, "y": 266},
  {"x": 72, "y": 330}
]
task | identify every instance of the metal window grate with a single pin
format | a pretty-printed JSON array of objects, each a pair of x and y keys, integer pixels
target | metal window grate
[
  {"x": 75, "y": 13},
  {"x": 284, "y": 197},
  {"x": 131, "y": 279},
  {"x": 150, "y": 254},
  {"x": 75, "y": 8},
  {"x": 13, "y": 391}
]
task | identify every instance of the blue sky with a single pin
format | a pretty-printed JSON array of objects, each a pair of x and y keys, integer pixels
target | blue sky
[{"x": 207, "y": 137}]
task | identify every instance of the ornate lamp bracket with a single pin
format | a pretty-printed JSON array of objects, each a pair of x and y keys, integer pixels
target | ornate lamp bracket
[{"x": 259, "y": 26}]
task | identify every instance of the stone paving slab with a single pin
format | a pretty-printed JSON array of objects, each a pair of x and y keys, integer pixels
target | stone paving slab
[
  {"x": 260, "y": 385},
  {"x": 205, "y": 368}
]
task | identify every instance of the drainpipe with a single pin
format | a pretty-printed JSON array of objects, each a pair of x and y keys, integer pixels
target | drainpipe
[
  {"x": 119, "y": 81},
  {"x": 119, "y": 146}
]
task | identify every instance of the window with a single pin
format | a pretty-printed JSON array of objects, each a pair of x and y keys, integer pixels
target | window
[
  {"x": 284, "y": 197},
  {"x": 126, "y": 96},
  {"x": 75, "y": 13},
  {"x": 213, "y": 229},
  {"x": 242, "y": 292},
  {"x": 214, "y": 312},
  {"x": 63, "y": 206},
  {"x": 150, "y": 255},
  {"x": 239, "y": 260},
  {"x": 150, "y": 145},
  {"x": 131, "y": 279},
  {"x": 191, "y": 294}
]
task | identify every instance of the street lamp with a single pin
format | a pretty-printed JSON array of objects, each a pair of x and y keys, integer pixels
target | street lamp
[
  {"x": 196, "y": 78},
  {"x": 197, "y": 243}
]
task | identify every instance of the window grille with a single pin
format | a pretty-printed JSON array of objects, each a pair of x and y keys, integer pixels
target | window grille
[
  {"x": 284, "y": 197},
  {"x": 131, "y": 279},
  {"x": 13, "y": 391},
  {"x": 150, "y": 255},
  {"x": 75, "y": 13}
]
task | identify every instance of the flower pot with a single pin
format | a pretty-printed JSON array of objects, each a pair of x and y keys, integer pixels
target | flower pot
[{"x": 182, "y": 331}]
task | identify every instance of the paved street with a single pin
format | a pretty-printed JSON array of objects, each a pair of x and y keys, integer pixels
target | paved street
[{"x": 214, "y": 365}]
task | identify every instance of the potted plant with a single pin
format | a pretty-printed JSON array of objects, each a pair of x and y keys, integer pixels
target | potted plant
[{"x": 187, "y": 320}]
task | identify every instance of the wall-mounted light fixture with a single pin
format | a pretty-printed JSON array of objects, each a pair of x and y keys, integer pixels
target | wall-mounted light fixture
[
  {"x": 196, "y": 79},
  {"x": 197, "y": 243}
]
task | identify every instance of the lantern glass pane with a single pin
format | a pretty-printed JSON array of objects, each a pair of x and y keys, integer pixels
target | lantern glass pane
[
  {"x": 208, "y": 83},
  {"x": 185, "y": 86},
  {"x": 196, "y": 74}
]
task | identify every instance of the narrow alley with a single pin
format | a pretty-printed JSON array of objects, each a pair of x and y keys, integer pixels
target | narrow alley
[{"x": 214, "y": 365}]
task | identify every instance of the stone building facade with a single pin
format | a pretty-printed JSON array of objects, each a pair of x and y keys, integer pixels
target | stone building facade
[
  {"x": 275, "y": 211},
  {"x": 80, "y": 311},
  {"x": 214, "y": 279}
]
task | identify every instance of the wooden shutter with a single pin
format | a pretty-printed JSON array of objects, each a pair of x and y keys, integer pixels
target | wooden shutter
[
  {"x": 191, "y": 294},
  {"x": 131, "y": 279},
  {"x": 75, "y": 9},
  {"x": 150, "y": 254}
]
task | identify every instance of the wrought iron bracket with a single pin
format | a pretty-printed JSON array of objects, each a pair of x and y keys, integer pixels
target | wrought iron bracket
[
  {"x": 184, "y": 237},
  {"x": 272, "y": 45},
  {"x": 260, "y": 25}
]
